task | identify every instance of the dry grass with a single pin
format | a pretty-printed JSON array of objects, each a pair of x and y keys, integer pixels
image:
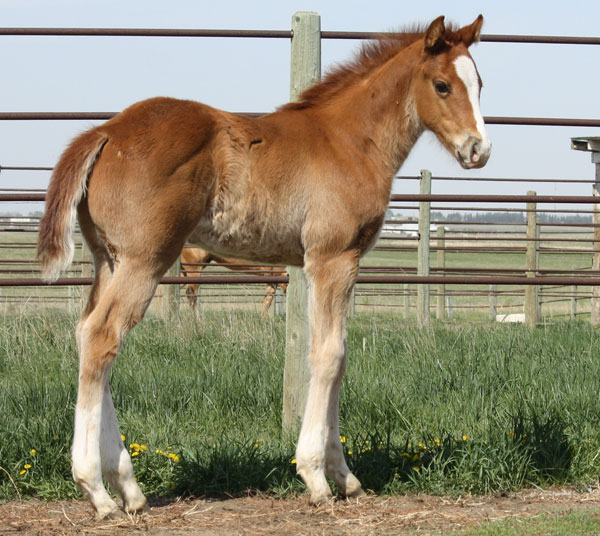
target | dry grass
[{"x": 266, "y": 516}]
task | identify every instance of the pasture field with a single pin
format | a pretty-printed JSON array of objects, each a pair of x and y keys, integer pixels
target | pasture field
[
  {"x": 455, "y": 410},
  {"x": 469, "y": 302}
]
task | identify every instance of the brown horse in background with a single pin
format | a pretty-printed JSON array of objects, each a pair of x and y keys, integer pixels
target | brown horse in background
[
  {"x": 307, "y": 185},
  {"x": 194, "y": 260}
]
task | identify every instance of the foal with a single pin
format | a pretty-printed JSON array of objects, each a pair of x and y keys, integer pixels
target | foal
[
  {"x": 307, "y": 185},
  {"x": 194, "y": 260}
]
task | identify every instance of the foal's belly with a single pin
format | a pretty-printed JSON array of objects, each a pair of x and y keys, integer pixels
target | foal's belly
[{"x": 251, "y": 240}]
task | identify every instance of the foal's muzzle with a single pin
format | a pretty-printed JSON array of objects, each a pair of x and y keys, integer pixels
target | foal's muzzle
[{"x": 474, "y": 152}]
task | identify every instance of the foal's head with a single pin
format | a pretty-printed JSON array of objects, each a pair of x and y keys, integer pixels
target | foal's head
[{"x": 446, "y": 92}]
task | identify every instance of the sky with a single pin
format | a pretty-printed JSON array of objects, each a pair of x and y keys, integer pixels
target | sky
[{"x": 106, "y": 74}]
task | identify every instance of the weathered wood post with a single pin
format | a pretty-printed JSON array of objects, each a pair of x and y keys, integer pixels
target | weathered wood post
[
  {"x": 279, "y": 302},
  {"x": 423, "y": 298},
  {"x": 70, "y": 299},
  {"x": 573, "y": 315},
  {"x": 305, "y": 70},
  {"x": 441, "y": 263},
  {"x": 171, "y": 292},
  {"x": 406, "y": 300},
  {"x": 449, "y": 306},
  {"x": 593, "y": 145},
  {"x": 531, "y": 264},
  {"x": 493, "y": 297}
]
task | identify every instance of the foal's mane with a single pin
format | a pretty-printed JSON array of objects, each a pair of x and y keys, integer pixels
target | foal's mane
[{"x": 371, "y": 55}]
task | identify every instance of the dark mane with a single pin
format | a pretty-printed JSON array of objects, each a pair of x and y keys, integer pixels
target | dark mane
[{"x": 371, "y": 55}]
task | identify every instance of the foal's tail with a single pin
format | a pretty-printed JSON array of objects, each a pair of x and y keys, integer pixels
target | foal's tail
[{"x": 65, "y": 192}]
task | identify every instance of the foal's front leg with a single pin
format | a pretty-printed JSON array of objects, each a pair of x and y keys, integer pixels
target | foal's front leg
[{"x": 319, "y": 453}]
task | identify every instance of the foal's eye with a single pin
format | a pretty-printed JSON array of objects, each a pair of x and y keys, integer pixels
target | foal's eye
[{"x": 441, "y": 87}]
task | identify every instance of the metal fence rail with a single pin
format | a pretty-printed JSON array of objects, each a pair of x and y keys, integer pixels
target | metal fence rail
[{"x": 381, "y": 277}]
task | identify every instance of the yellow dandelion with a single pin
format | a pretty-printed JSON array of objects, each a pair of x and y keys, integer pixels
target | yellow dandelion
[
  {"x": 136, "y": 453},
  {"x": 144, "y": 447},
  {"x": 437, "y": 442},
  {"x": 27, "y": 466},
  {"x": 294, "y": 461},
  {"x": 22, "y": 472},
  {"x": 33, "y": 452},
  {"x": 417, "y": 468},
  {"x": 350, "y": 453},
  {"x": 174, "y": 457},
  {"x": 122, "y": 437},
  {"x": 342, "y": 439},
  {"x": 465, "y": 437},
  {"x": 416, "y": 458}
]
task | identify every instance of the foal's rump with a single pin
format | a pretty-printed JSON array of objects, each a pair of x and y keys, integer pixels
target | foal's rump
[{"x": 146, "y": 175}]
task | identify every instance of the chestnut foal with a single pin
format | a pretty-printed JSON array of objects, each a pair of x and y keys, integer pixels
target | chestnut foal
[
  {"x": 307, "y": 185},
  {"x": 194, "y": 260}
]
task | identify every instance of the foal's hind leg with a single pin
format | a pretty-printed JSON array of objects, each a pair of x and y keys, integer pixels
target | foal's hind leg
[
  {"x": 97, "y": 445},
  {"x": 270, "y": 292},
  {"x": 319, "y": 453}
]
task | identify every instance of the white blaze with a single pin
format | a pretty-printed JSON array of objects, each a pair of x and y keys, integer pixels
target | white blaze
[{"x": 466, "y": 71}]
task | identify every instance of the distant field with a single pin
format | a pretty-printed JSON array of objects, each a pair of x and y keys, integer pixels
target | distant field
[{"x": 368, "y": 298}]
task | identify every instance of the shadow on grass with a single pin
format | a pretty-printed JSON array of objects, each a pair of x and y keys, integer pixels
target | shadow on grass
[
  {"x": 536, "y": 451},
  {"x": 234, "y": 470}
]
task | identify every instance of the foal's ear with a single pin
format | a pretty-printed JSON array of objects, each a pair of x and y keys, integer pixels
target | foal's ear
[
  {"x": 434, "y": 35},
  {"x": 470, "y": 34}
]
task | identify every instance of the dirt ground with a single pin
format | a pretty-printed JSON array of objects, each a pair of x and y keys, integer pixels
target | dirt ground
[{"x": 264, "y": 515}]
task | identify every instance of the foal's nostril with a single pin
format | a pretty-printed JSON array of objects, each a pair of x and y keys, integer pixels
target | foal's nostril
[{"x": 475, "y": 152}]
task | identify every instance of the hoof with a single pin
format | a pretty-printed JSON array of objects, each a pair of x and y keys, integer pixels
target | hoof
[
  {"x": 138, "y": 507},
  {"x": 113, "y": 515},
  {"x": 356, "y": 494},
  {"x": 320, "y": 500}
]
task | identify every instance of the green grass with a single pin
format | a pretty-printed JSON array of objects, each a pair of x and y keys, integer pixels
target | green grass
[{"x": 454, "y": 410}]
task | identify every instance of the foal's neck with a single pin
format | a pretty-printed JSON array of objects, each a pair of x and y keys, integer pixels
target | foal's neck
[{"x": 381, "y": 108}]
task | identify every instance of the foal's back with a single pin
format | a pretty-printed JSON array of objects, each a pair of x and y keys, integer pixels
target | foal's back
[{"x": 185, "y": 166}]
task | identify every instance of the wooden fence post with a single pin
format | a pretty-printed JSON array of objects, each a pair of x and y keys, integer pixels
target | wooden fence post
[
  {"x": 493, "y": 295},
  {"x": 171, "y": 292},
  {"x": 423, "y": 298},
  {"x": 449, "y": 309},
  {"x": 441, "y": 263},
  {"x": 406, "y": 300},
  {"x": 305, "y": 70},
  {"x": 531, "y": 265},
  {"x": 279, "y": 301},
  {"x": 573, "y": 315}
]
